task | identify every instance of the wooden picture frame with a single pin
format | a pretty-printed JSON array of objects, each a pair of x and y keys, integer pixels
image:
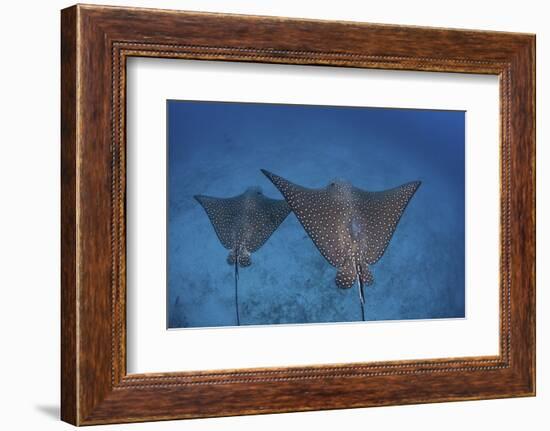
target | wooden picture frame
[{"x": 95, "y": 43}]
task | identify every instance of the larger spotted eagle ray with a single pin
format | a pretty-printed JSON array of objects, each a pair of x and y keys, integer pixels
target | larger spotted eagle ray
[
  {"x": 351, "y": 227},
  {"x": 243, "y": 224}
]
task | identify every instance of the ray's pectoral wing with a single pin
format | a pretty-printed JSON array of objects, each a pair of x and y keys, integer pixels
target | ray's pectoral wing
[
  {"x": 224, "y": 216},
  {"x": 319, "y": 216},
  {"x": 266, "y": 218},
  {"x": 380, "y": 213}
]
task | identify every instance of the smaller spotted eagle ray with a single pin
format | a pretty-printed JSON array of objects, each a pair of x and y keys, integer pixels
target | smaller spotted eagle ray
[
  {"x": 243, "y": 224},
  {"x": 351, "y": 227}
]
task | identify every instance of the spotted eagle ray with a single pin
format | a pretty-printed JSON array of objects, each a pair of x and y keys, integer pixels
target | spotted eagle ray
[
  {"x": 351, "y": 227},
  {"x": 243, "y": 224}
]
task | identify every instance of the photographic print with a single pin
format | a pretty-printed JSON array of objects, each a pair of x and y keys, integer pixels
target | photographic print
[{"x": 302, "y": 214}]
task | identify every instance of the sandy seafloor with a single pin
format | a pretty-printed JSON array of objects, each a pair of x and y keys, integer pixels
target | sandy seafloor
[{"x": 218, "y": 149}]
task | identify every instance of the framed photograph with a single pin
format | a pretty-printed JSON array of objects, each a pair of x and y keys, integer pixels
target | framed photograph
[{"x": 264, "y": 215}]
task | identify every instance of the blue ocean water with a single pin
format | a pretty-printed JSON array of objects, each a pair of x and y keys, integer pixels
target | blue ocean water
[{"x": 217, "y": 149}]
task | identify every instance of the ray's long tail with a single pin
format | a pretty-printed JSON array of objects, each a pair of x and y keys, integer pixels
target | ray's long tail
[
  {"x": 237, "y": 290},
  {"x": 361, "y": 287}
]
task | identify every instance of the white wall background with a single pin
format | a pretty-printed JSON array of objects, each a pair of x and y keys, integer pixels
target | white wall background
[{"x": 29, "y": 214}]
